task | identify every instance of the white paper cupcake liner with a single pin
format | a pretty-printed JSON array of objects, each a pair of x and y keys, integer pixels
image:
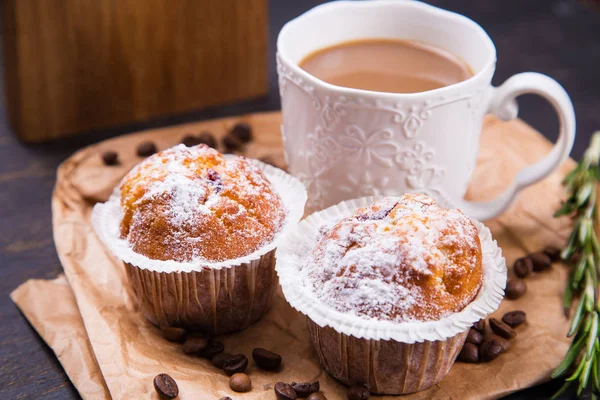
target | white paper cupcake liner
[
  {"x": 106, "y": 219},
  {"x": 293, "y": 253}
]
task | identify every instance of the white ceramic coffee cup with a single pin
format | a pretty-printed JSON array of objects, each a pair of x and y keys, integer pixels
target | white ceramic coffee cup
[{"x": 346, "y": 143}]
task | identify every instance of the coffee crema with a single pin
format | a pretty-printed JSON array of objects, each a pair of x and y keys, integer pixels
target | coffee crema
[{"x": 386, "y": 65}]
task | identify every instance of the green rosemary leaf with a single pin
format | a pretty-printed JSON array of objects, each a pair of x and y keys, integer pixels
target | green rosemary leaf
[
  {"x": 577, "y": 318},
  {"x": 568, "y": 297},
  {"x": 566, "y": 209},
  {"x": 578, "y": 272},
  {"x": 596, "y": 370},
  {"x": 592, "y": 337},
  {"x": 584, "y": 376},
  {"x": 584, "y": 229},
  {"x": 576, "y": 374},
  {"x": 571, "y": 355},
  {"x": 562, "y": 390},
  {"x": 584, "y": 193}
]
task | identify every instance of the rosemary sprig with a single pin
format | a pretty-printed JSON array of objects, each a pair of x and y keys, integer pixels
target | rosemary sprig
[{"x": 583, "y": 253}]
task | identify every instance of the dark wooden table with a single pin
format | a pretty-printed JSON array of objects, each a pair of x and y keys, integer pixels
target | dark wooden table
[{"x": 558, "y": 38}]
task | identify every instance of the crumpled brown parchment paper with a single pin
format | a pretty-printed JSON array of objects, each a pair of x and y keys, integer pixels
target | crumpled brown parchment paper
[{"x": 109, "y": 350}]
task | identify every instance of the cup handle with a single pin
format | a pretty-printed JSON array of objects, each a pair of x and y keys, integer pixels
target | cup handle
[{"x": 504, "y": 106}]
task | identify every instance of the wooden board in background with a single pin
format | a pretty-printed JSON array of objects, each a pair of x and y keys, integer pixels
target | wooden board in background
[{"x": 77, "y": 65}]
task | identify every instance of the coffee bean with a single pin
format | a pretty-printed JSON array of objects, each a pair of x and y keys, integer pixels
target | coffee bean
[
  {"x": 541, "y": 261},
  {"x": 110, "y": 157},
  {"x": 212, "y": 348},
  {"x": 479, "y": 325},
  {"x": 190, "y": 140},
  {"x": 165, "y": 386},
  {"x": 266, "y": 359},
  {"x": 219, "y": 359},
  {"x": 305, "y": 388},
  {"x": 358, "y": 393},
  {"x": 515, "y": 288},
  {"x": 502, "y": 329},
  {"x": 317, "y": 396},
  {"x": 174, "y": 334},
  {"x": 474, "y": 337},
  {"x": 514, "y": 318},
  {"x": 208, "y": 139},
  {"x": 240, "y": 382},
  {"x": 235, "y": 364},
  {"x": 523, "y": 267},
  {"x": 231, "y": 143},
  {"x": 490, "y": 350},
  {"x": 242, "y": 131},
  {"x": 284, "y": 391},
  {"x": 469, "y": 353},
  {"x": 194, "y": 345},
  {"x": 146, "y": 149},
  {"x": 505, "y": 344},
  {"x": 553, "y": 252},
  {"x": 225, "y": 398}
]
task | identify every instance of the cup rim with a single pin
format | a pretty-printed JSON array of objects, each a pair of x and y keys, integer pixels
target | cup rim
[{"x": 322, "y": 8}]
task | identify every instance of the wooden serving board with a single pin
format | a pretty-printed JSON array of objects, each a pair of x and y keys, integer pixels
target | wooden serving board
[{"x": 129, "y": 352}]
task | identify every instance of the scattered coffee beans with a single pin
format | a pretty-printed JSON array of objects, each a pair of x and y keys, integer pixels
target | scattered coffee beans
[
  {"x": 231, "y": 143},
  {"x": 213, "y": 348},
  {"x": 469, "y": 353},
  {"x": 165, "y": 386},
  {"x": 479, "y": 325},
  {"x": 146, "y": 149},
  {"x": 190, "y": 140},
  {"x": 242, "y": 131},
  {"x": 490, "y": 350},
  {"x": 523, "y": 267},
  {"x": 553, "y": 252},
  {"x": 235, "y": 364},
  {"x": 358, "y": 393},
  {"x": 317, "y": 396},
  {"x": 515, "y": 288},
  {"x": 514, "y": 318},
  {"x": 194, "y": 345},
  {"x": 305, "y": 388},
  {"x": 475, "y": 337},
  {"x": 110, "y": 157},
  {"x": 208, "y": 139},
  {"x": 501, "y": 329},
  {"x": 220, "y": 359},
  {"x": 541, "y": 261},
  {"x": 285, "y": 391},
  {"x": 266, "y": 359},
  {"x": 174, "y": 334},
  {"x": 240, "y": 382}
]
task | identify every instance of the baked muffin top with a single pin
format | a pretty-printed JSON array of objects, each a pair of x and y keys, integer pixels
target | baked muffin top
[
  {"x": 400, "y": 259},
  {"x": 188, "y": 204}
]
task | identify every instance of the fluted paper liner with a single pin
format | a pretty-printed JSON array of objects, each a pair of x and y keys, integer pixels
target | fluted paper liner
[
  {"x": 367, "y": 351},
  {"x": 207, "y": 297}
]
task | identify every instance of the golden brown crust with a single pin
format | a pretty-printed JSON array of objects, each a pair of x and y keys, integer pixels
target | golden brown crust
[
  {"x": 401, "y": 259},
  {"x": 187, "y": 204}
]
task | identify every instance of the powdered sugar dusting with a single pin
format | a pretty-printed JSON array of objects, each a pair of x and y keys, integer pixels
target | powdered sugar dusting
[
  {"x": 188, "y": 204},
  {"x": 402, "y": 259}
]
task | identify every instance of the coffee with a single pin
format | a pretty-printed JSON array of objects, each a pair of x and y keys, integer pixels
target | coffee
[{"x": 386, "y": 65}]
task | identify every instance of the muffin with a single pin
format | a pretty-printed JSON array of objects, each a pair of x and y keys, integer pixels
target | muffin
[
  {"x": 187, "y": 204},
  {"x": 197, "y": 232},
  {"x": 390, "y": 288}
]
